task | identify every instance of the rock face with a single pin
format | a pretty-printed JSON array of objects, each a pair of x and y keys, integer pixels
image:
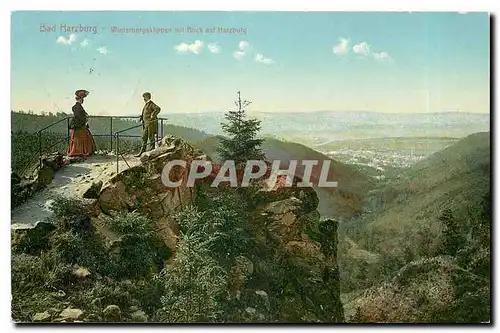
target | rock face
[
  {"x": 308, "y": 246},
  {"x": 141, "y": 189}
]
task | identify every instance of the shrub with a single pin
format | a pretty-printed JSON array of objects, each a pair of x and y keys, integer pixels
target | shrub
[{"x": 194, "y": 283}]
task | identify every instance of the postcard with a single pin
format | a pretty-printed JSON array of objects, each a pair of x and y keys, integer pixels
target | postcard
[{"x": 250, "y": 167}]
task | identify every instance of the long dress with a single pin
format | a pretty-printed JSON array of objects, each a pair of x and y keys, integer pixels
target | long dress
[{"x": 81, "y": 142}]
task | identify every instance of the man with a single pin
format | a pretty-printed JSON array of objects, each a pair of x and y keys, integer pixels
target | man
[{"x": 149, "y": 123}]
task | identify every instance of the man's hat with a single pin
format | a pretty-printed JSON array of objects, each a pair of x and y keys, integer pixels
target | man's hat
[{"x": 82, "y": 93}]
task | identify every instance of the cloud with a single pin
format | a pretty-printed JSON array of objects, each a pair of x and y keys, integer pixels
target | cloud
[
  {"x": 363, "y": 49},
  {"x": 244, "y": 45},
  {"x": 259, "y": 57},
  {"x": 239, "y": 55},
  {"x": 342, "y": 47},
  {"x": 103, "y": 50},
  {"x": 85, "y": 42},
  {"x": 214, "y": 48},
  {"x": 382, "y": 56},
  {"x": 66, "y": 41},
  {"x": 195, "y": 48}
]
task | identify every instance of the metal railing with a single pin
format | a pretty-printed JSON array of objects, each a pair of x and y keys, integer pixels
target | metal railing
[
  {"x": 112, "y": 135},
  {"x": 120, "y": 153}
]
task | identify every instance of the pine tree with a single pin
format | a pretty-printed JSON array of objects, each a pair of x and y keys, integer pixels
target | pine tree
[
  {"x": 195, "y": 284},
  {"x": 241, "y": 143}
]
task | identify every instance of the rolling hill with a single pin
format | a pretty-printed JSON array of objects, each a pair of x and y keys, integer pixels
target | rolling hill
[
  {"x": 423, "y": 254},
  {"x": 405, "y": 222}
]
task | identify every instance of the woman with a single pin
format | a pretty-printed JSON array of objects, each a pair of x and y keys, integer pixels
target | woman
[{"x": 81, "y": 142}]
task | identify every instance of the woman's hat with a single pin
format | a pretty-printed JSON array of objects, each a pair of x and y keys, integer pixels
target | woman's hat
[{"x": 82, "y": 93}]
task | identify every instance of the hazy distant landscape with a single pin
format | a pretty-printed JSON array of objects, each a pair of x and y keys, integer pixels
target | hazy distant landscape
[
  {"x": 379, "y": 140},
  {"x": 382, "y": 141}
]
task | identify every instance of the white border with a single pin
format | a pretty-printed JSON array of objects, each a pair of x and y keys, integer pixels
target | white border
[{"x": 309, "y": 5}]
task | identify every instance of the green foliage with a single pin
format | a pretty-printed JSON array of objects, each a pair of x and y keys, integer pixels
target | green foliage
[
  {"x": 25, "y": 149},
  {"x": 36, "y": 281},
  {"x": 195, "y": 283},
  {"x": 139, "y": 251},
  {"x": 66, "y": 208},
  {"x": 453, "y": 235},
  {"x": 44, "y": 272},
  {"x": 122, "y": 274},
  {"x": 241, "y": 143},
  {"x": 472, "y": 285},
  {"x": 133, "y": 222},
  {"x": 228, "y": 213},
  {"x": 80, "y": 249}
]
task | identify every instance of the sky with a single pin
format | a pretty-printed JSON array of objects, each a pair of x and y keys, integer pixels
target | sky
[{"x": 395, "y": 62}]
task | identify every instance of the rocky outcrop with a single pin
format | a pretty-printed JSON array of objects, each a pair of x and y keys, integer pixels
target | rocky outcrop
[
  {"x": 308, "y": 247},
  {"x": 286, "y": 222},
  {"x": 141, "y": 189},
  {"x": 23, "y": 188},
  {"x": 30, "y": 238}
]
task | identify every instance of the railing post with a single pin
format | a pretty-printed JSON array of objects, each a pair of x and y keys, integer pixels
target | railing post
[
  {"x": 111, "y": 133},
  {"x": 117, "y": 152},
  {"x": 162, "y": 129},
  {"x": 40, "y": 148},
  {"x": 157, "y": 132}
]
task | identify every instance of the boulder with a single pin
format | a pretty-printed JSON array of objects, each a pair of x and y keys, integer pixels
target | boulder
[
  {"x": 70, "y": 314},
  {"x": 139, "y": 316},
  {"x": 155, "y": 183},
  {"x": 307, "y": 251},
  {"x": 152, "y": 154},
  {"x": 114, "y": 197},
  {"x": 92, "y": 207},
  {"x": 42, "y": 317},
  {"x": 112, "y": 313},
  {"x": 80, "y": 272}
]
